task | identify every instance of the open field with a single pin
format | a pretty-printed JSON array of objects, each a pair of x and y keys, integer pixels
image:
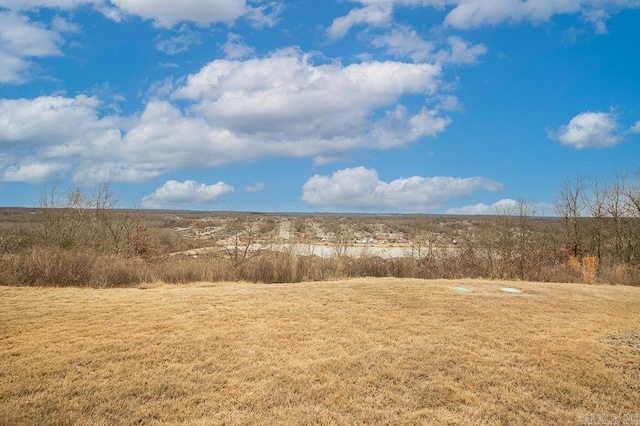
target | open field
[{"x": 365, "y": 351}]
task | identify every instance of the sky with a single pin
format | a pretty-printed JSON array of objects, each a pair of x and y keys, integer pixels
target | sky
[{"x": 377, "y": 106}]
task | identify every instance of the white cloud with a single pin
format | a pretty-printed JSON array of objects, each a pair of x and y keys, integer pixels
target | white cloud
[
  {"x": 280, "y": 106},
  {"x": 449, "y": 103},
  {"x": 53, "y": 4},
  {"x": 505, "y": 206},
  {"x": 361, "y": 189},
  {"x": 34, "y": 172},
  {"x": 12, "y": 68},
  {"x": 461, "y": 52},
  {"x": 236, "y": 48},
  {"x": 54, "y": 130},
  {"x": 469, "y": 14},
  {"x": 21, "y": 40},
  {"x": 293, "y": 106},
  {"x": 256, "y": 187},
  {"x": 397, "y": 127},
  {"x": 51, "y": 120},
  {"x": 165, "y": 65},
  {"x": 476, "y": 13},
  {"x": 288, "y": 75},
  {"x": 598, "y": 18},
  {"x": 167, "y": 13},
  {"x": 61, "y": 25},
  {"x": 174, "y": 194},
  {"x": 322, "y": 159},
  {"x": 110, "y": 12},
  {"x": 179, "y": 43},
  {"x": 635, "y": 128},
  {"x": 265, "y": 15},
  {"x": 589, "y": 130},
  {"x": 375, "y": 14},
  {"x": 403, "y": 41}
]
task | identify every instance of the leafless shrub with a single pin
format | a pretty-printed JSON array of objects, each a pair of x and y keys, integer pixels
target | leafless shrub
[
  {"x": 79, "y": 219},
  {"x": 242, "y": 243},
  {"x": 52, "y": 267}
]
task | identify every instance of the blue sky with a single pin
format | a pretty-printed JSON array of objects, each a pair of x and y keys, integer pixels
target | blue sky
[{"x": 405, "y": 106}]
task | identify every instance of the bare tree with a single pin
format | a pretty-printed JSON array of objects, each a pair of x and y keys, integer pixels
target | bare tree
[
  {"x": 597, "y": 208},
  {"x": 570, "y": 205},
  {"x": 340, "y": 237},
  {"x": 616, "y": 210},
  {"x": 632, "y": 196},
  {"x": 242, "y": 243},
  {"x": 513, "y": 239}
]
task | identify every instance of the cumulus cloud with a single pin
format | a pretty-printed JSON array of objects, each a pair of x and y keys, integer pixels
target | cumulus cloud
[
  {"x": 396, "y": 128},
  {"x": 174, "y": 194},
  {"x": 20, "y": 41},
  {"x": 55, "y": 130},
  {"x": 51, "y": 120},
  {"x": 166, "y": 13},
  {"x": 295, "y": 106},
  {"x": 360, "y": 189},
  {"x": 34, "y": 172},
  {"x": 589, "y": 130},
  {"x": 231, "y": 111},
  {"x": 635, "y": 128}
]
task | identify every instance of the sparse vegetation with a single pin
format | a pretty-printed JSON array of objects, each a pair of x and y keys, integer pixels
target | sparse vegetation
[{"x": 81, "y": 239}]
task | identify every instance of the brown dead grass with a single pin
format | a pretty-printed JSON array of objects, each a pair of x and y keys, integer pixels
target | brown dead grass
[{"x": 366, "y": 351}]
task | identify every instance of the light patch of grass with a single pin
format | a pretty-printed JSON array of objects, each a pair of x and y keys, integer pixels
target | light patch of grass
[{"x": 365, "y": 351}]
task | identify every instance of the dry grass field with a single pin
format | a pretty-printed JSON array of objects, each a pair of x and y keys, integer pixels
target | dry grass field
[{"x": 365, "y": 351}]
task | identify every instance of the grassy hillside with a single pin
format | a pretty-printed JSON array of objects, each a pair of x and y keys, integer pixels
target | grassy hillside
[{"x": 385, "y": 351}]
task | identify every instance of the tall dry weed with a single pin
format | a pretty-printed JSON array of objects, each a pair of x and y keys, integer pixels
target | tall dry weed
[
  {"x": 589, "y": 269},
  {"x": 621, "y": 274},
  {"x": 574, "y": 264}
]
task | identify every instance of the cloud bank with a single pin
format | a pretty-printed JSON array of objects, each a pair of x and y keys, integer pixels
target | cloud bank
[
  {"x": 281, "y": 105},
  {"x": 506, "y": 206},
  {"x": 360, "y": 189}
]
